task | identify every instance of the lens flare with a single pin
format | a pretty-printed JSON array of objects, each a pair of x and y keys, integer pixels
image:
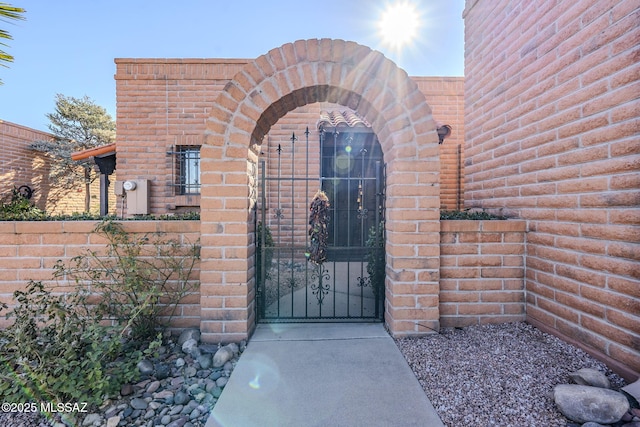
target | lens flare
[{"x": 399, "y": 24}]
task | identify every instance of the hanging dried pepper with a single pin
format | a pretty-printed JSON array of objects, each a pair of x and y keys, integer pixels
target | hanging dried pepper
[{"x": 318, "y": 227}]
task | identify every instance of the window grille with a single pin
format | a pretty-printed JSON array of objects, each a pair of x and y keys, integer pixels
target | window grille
[{"x": 186, "y": 179}]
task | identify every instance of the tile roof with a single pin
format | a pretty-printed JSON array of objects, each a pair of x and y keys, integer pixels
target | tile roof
[{"x": 336, "y": 119}]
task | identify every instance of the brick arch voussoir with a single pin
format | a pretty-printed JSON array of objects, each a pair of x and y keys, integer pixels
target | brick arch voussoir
[{"x": 267, "y": 88}]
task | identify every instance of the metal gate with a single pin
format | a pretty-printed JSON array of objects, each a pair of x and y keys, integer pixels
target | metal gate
[{"x": 349, "y": 285}]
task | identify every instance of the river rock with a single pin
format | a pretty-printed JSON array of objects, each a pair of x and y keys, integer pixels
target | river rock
[
  {"x": 92, "y": 419},
  {"x": 585, "y": 404},
  {"x": 145, "y": 367},
  {"x": 222, "y": 356},
  {"x": 178, "y": 423},
  {"x": 138, "y": 403},
  {"x": 180, "y": 398},
  {"x": 633, "y": 389},
  {"x": 592, "y": 377},
  {"x": 189, "y": 334},
  {"x": 126, "y": 389},
  {"x": 205, "y": 361},
  {"x": 162, "y": 371},
  {"x": 190, "y": 346},
  {"x": 163, "y": 395},
  {"x": 153, "y": 386}
]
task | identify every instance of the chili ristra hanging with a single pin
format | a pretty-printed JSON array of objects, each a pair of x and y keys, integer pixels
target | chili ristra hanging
[{"x": 318, "y": 227}]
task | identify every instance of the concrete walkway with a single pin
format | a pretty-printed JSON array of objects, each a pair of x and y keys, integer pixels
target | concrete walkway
[{"x": 334, "y": 375}]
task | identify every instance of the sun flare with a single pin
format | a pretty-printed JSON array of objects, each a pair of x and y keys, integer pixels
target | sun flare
[{"x": 399, "y": 24}]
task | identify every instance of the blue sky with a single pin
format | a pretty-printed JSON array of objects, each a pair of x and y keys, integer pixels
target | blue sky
[{"x": 69, "y": 46}]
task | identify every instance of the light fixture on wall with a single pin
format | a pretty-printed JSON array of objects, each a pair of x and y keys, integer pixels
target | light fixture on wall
[{"x": 443, "y": 132}]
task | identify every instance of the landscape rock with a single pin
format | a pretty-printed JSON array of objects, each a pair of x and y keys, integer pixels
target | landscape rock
[
  {"x": 126, "y": 389},
  {"x": 92, "y": 419},
  {"x": 633, "y": 389},
  {"x": 190, "y": 347},
  {"x": 584, "y": 404},
  {"x": 180, "y": 398},
  {"x": 205, "y": 361},
  {"x": 145, "y": 367},
  {"x": 222, "y": 356},
  {"x": 234, "y": 348},
  {"x": 162, "y": 371},
  {"x": 189, "y": 334},
  {"x": 591, "y": 377},
  {"x": 153, "y": 386},
  {"x": 138, "y": 403},
  {"x": 180, "y": 422},
  {"x": 113, "y": 421}
]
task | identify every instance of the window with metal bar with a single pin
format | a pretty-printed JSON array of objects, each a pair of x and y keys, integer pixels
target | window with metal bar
[{"x": 187, "y": 169}]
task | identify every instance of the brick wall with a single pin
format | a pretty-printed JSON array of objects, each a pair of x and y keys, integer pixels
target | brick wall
[
  {"x": 162, "y": 103},
  {"x": 445, "y": 95},
  {"x": 552, "y": 128},
  {"x": 481, "y": 272},
  {"x": 29, "y": 251},
  {"x": 481, "y": 265},
  {"x": 19, "y": 165}
]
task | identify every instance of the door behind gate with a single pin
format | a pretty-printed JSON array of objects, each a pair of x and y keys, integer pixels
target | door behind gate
[{"x": 349, "y": 285}]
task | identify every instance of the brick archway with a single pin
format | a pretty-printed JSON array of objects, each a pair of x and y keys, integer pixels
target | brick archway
[{"x": 285, "y": 78}]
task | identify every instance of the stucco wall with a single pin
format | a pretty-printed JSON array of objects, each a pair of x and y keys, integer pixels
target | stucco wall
[{"x": 552, "y": 129}]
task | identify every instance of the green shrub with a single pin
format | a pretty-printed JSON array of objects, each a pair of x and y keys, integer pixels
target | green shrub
[
  {"x": 268, "y": 251},
  {"x": 57, "y": 350},
  {"x": 139, "y": 279},
  {"x": 468, "y": 214},
  {"x": 16, "y": 207},
  {"x": 81, "y": 346},
  {"x": 376, "y": 263}
]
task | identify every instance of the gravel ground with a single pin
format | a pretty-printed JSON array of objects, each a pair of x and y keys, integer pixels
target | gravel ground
[{"x": 496, "y": 375}]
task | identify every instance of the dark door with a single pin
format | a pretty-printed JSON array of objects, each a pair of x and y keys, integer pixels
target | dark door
[{"x": 350, "y": 166}]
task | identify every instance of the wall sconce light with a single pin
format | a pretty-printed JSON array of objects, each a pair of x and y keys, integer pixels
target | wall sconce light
[{"x": 443, "y": 132}]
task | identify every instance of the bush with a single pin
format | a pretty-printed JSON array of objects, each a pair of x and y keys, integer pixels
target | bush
[
  {"x": 376, "y": 263},
  {"x": 268, "y": 251},
  {"x": 139, "y": 279},
  {"x": 468, "y": 214},
  {"x": 16, "y": 207},
  {"x": 83, "y": 345},
  {"x": 58, "y": 351}
]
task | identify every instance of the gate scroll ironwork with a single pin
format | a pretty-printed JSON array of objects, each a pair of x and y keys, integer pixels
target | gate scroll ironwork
[{"x": 348, "y": 283}]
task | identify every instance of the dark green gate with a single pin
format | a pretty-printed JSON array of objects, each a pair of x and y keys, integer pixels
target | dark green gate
[{"x": 349, "y": 286}]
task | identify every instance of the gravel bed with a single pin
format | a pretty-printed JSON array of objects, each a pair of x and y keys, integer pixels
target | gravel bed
[
  {"x": 178, "y": 388},
  {"x": 496, "y": 375}
]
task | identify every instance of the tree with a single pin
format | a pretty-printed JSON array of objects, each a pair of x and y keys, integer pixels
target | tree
[
  {"x": 8, "y": 12},
  {"x": 77, "y": 124}
]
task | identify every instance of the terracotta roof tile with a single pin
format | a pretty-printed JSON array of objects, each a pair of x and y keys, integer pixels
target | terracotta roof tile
[{"x": 336, "y": 119}]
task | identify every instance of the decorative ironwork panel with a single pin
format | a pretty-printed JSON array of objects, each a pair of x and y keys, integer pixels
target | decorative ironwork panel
[{"x": 349, "y": 284}]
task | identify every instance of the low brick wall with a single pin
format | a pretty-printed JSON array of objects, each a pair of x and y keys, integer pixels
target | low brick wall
[
  {"x": 481, "y": 272},
  {"x": 29, "y": 251}
]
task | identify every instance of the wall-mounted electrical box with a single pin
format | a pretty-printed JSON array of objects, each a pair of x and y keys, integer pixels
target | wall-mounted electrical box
[{"x": 137, "y": 192}]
